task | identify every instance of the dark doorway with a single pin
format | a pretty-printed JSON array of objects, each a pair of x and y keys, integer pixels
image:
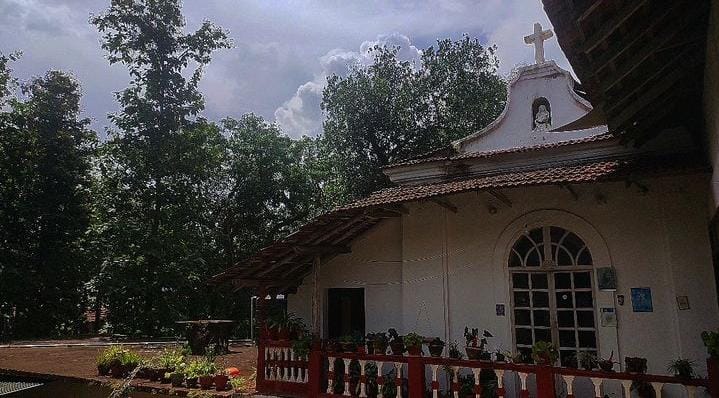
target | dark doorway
[{"x": 345, "y": 312}]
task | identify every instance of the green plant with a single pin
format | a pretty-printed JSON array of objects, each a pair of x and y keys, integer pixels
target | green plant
[
  {"x": 454, "y": 351},
  {"x": 201, "y": 367},
  {"x": 682, "y": 368},
  {"x": 413, "y": 340},
  {"x": 109, "y": 357},
  {"x": 199, "y": 394},
  {"x": 130, "y": 359},
  {"x": 473, "y": 339},
  {"x": 588, "y": 360},
  {"x": 170, "y": 358},
  {"x": 544, "y": 353},
  {"x": 711, "y": 342},
  {"x": 301, "y": 346}
]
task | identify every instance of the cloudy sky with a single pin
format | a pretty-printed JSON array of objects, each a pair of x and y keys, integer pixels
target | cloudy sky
[{"x": 283, "y": 49}]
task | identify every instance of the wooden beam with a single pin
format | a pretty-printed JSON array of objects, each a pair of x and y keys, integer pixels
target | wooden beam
[
  {"x": 625, "y": 12},
  {"x": 500, "y": 197},
  {"x": 316, "y": 296},
  {"x": 445, "y": 203},
  {"x": 322, "y": 249}
]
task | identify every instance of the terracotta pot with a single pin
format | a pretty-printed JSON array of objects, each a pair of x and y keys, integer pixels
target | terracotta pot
[
  {"x": 205, "y": 382},
  {"x": 191, "y": 382},
  {"x": 361, "y": 349},
  {"x": 221, "y": 382},
  {"x": 379, "y": 347},
  {"x": 103, "y": 370},
  {"x": 435, "y": 350},
  {"x": 635, "y": 365},
  {"x": 415, "y": 350},
  {"x": 473, "y": 352},
  {"x": 397, "y": 347},
  {"x": 117, "y": 371}
]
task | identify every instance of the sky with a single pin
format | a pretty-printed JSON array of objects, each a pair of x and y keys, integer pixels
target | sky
[{"x": 283, "y": 50}]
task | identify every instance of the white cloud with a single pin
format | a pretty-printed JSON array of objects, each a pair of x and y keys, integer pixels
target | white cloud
[{"x": 301, "y": 114}]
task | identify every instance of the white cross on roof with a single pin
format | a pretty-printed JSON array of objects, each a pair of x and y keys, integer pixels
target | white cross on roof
[{"x": 537, "y": 38}]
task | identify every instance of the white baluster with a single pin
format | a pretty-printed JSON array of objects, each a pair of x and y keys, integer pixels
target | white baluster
[
  {"x": 363, "y": 388},
  {"x": 330, "y": 381},
  {"x": 455, "y": 380},
  {"x": 500, "y": 379},
  {"x": 286, "y": 366},
  {"x": 569, "y": 381},
  {"x": 627, "y": 386},
  {"x": 597, "y": 386},
  {"x": 476, "y": 371},
  {"x": 435, "y": 392},
  {"x": 523, "y": 380},
  {"x": 294, "y": 368},
  {"x": 398, "y": 366},
  {"x": 347, "y": 376},
  {"x": 691, "y": 391},
  {"x": 380, "y": 365},
  {"x": 658, "y": 388}
]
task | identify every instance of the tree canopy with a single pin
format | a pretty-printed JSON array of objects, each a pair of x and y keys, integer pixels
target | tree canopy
[{"x": 137, "y": 223}]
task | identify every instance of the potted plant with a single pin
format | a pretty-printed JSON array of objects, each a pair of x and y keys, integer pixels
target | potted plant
[
  {"x": 436, "y": 346},
  {"x": 221, "y": 378},
  {"x": 453, "y": 351},
  {"x": 682, "y": 368},
  {"x": 396, "y": 343},
  {"x": 378, "y": 343},
  {"x": 475, "y": 344},
  {"x": 635, "y": 364},
  {"x": 711, "y": 342},
  {"x": 301, "y": 347},
  {"x": 191, "y": 373},
  {"x": 499, "y": 356},
  {"x": 544, "y": 353},
  {"x": 177, "y": 377},
  {"x": 347, "y": 343},
  {"x": 413, "y": 342},
  {"x": 105, "y": 358},
  {"x": 587, "y": 360},
  {"x": 607, "y": 365},
  {"x": 206, "y": 371}
]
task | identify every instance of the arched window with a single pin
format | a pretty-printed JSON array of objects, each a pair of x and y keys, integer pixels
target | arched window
[
  {"x": 541, "y": 114},
  {"x": 552, "y": 292}
]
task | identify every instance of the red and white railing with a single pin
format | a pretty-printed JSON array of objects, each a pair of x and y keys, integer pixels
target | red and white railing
[{"x": 328, "y": 374}]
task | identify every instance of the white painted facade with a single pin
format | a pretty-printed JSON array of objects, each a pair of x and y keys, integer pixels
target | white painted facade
[{"x": 434, "y": 271}]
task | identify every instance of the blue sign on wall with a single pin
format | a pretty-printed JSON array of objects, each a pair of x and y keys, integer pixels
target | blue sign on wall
[{"x": 642, "y": 299}]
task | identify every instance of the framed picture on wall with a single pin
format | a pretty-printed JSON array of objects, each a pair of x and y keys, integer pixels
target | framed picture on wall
[
  {"x": 607, "y": 279},
  {"x": 642, "y": 299}
]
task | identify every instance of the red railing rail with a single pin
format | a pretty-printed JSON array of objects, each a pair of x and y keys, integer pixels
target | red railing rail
[{"x": 281, "y": 373}]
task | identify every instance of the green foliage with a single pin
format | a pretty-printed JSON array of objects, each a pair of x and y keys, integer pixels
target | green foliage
[
  {"x": 711, "y": 342},
  {"x": 118, "y": 356},
  {"x": 682, "y": 368},
  {"x": 45, "y": 157},
  {"x": 393, "y": 110},
  {"x": 544, "y": 352},
  {"x": 201, "y": 367},
  {"x": 301, "y": 346},
  {"x": 413, "y": 340}
]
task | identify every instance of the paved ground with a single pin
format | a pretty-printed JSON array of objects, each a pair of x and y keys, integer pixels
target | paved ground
[{"x": 78, "y": 361}]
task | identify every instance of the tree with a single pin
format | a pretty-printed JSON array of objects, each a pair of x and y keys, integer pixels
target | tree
[
  {"x": 158, "y": 169},
  {"x": 392, "y": 110},
  {"x": 45, "y": 152}
]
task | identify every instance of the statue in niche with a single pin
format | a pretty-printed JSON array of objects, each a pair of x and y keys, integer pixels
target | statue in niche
[{"x": 542, "y": 116}]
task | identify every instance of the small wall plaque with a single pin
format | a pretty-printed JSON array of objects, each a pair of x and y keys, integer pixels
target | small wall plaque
[
  {"x": 608, "y": 317},
  {"x": 500, "y": 309},
  {"x": 607, "y": 278},
  {"x": 642, "y": 299},
  {"x": 620, "y": 299},
  {"x": 683, "y": 302}
]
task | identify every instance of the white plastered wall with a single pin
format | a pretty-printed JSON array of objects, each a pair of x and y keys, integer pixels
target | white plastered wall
[{"x": 656, "y": 239}]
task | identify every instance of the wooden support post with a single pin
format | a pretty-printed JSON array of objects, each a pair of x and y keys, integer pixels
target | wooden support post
[
  {"x": 316, "y": 296},
  {"x": 415, "y": 376},
  {"x": 262, "y": 337},
  {"x": 545, "y": 382},
  {"x": 713, "y": 376}
]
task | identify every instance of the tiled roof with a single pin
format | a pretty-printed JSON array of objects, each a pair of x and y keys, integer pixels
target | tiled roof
[
  {"x": 288, "y": 261},
  {"x": 432, "y": 157}
]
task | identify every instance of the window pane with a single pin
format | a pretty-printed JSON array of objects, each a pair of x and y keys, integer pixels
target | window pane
[
  {"x": 541, "y": 318},
  {"x": 522, "y": 317},
  {"x": 585, "y": 319},
  {"x": 568, "y": 358},
  {"x": 562, "y": 280},
  {"x": 539, "y": 281},
  {"x": 534, "y": 259},
  {"x": 587, "y": 339},
  {"x": 573, "y": 243},
  {"x": 556, "y": 233},
  {"x": 582, "y": 280},
  {"x": 585, "y": 258},
  {"x": 524, "y": 336},
  {"x": 542, "y": 335},
  {"x": 521, "y": 299},
  {"x": 565, "y": 319},
  {"x": 584, "y": 299},
  {"x": 537, "y": 236},
  {"x": 520, "y": 281},
  {"x": 564, "y": 300},
  {"x": 514, "y": 260},
  {"x": 564, "y": 258},
  {"x": 540, "y": 299},
  {"x": 567, "y": 338}
]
